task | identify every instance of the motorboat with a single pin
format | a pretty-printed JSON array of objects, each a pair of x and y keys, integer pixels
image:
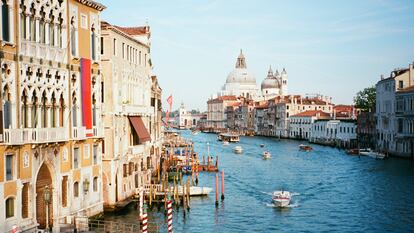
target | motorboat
[
  {"x": 228, "y": 137},
  {"x": 266, "y": 155},
  {"x": 238, "y": 150},
  {"x": 262, "y": 145},
  {"x": 372, "y": 153},
  {"x": 353, "y": 151},
  {"x": 226, "y": 143},
  {"x": 305, "y": 147},
  {"x": 281, "y": 198}
]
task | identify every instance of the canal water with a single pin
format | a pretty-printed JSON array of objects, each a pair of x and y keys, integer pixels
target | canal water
[{"x": 332, "y": 191}]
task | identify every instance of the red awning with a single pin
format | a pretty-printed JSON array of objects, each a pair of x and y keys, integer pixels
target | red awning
[{"x": 140, "y": 129}]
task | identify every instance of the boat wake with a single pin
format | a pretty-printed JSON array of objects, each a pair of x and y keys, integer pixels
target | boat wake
[
  {"x": 270, "y": 194},
  {"x": 292, "y": 205},
  {"x": 295, "y": 194}
]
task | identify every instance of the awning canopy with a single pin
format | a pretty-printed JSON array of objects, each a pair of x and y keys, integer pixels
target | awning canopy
[{"x": 140, "y": 129}]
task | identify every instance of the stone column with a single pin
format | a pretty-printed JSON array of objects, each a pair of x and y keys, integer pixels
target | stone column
[
  {"x": 29, "y": 115},
  {"x": 49, "y": 115}
]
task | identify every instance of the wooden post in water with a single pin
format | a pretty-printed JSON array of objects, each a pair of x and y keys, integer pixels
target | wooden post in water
[
  {"x": 217, "y": 190},
  {"x": 150, "y": 195},
  {"x": 222, "y": 185},
  {"x": 204, "y": 161},
  {"x": 217, "y": 162},
  {"x": 188, "y": 194}
]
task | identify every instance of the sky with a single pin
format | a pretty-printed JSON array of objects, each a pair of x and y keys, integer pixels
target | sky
[{"x": 333, "y": 48}]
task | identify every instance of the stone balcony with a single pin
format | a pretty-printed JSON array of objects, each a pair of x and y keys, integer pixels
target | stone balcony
[
  {"x": 79, "y": 133},
  {"x": 136, "y": 150},
  {"x": 43, "y": 51},
  {"x": 35, "y": 135}
]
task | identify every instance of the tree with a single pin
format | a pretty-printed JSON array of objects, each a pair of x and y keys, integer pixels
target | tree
[{"x": 365, "y": 99}]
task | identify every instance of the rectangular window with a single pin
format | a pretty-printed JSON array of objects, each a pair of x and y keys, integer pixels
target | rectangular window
[
  {"x": 76, "y": 158},
  {"x": 114, "y": 47},
  {"x": 65, "y": 191},
  {"x": 125, "y": 171},
  {"x": 95, "y": 154},
  {"x": 102, "y": 45},
  {"x": 140, "y": 57},
  {"x": 86, "y": 151},
  {"x": 84, "y": 21},
  {"x": 400, "y": 84},
  {"x": 93, "y": 45},
  {"x": 123, "y": 50},
  {"x": 73, "y": 40},
  {"x": 5, "y": 21},
  {"x": 9, "y": 167}
]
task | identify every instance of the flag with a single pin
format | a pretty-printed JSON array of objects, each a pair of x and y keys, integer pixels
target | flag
[
  {"x": 169, "y": 101},
  {"x": 86, "y": 93}
]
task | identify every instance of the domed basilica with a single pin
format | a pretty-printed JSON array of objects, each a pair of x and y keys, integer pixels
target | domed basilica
[{"x": 241, "y": 82}]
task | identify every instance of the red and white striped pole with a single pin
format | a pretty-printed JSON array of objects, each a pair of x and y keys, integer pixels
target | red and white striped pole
[
  {"x": 145, "y": 219},
  {"x": 169, "y": 214}
]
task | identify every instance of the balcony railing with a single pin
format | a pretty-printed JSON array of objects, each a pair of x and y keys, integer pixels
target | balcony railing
[
  {"x": 42, "y": 51},
  {"x": 137, "y": 149},
  {"x": 36, "y": 135},
  {"x": 79, "y": 133},
  {"x": 98, "y": 132}
]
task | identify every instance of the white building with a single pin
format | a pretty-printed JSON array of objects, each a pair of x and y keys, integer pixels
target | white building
[
  {"x": 300, "y": 125},
  {"x": 186, "y": 120},
  {"x": 385, "y": 110},
  {"x": 334, "y": 132},
  {"x": 274, "y": 84}
]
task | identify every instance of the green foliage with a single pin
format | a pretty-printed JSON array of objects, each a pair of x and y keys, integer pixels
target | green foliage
[{"x": 365, "y": 99}]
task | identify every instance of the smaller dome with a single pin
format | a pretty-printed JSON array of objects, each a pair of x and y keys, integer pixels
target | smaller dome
[{"x": 269, "y": 83}]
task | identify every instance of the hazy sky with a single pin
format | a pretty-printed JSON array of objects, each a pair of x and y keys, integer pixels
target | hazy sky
[{"x": 334, "y": 48}]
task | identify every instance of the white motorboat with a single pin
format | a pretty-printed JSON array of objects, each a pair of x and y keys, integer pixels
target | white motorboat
[
  {"x": 281, "y": 198},
  {"x": 266, "y": 155},
  {"x": 238, "y": 150},
  {"x": 372, "y": 153},
  {"x": 225, "y": 143}
]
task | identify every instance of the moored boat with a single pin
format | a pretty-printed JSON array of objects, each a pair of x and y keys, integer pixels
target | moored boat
[
  {"x": 305, "y": 147},
  {"x": 372, "y": 153},
  {"x": 238, "y": 150},
  {"x": 281, "y": 198},
  {"x": 225, "y": 143},
  {"x": 353, "y": 151}
]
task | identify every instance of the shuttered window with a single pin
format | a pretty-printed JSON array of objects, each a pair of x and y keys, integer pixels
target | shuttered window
[
  {"x": 5, "y": 21},
  {"x": 25, "y": 200},
  {"x": 65, "y": 191}
]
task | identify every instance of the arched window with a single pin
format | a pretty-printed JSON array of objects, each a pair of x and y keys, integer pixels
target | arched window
[
  {"x": 76, "y": 189},
  {"x": 7, "y": 107},
  {"x": 93, "y": 42},
  {"x": 44, "y": 111},
  {"x": 42, "y": 26},
  {"x": 5, "y": 21},
  {"x": 52, "y": 29},
  {"x": 23, "y": 20},
  {"x": 95, "y": 184},
  {"x": 53, "y": 111},
  {"x": 24, "y": 110},
  {"x": 10, "y": 207},
  {"x": 61, "y": 110},
  {"x": 93, "y": 110},
  {"x": 32, "y": 23},
  {"x": 59, "y": 32},
  {"x": 73, "y": 36},
  {"x": 74, "y": 111}
]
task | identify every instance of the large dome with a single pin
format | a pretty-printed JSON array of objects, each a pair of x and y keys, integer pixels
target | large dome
[{"x": 241, "y": 76}]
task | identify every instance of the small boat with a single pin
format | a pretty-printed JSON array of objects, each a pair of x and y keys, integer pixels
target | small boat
[
  {"x": 262, "y": 145},
  {"x": 226, "y": 143},
  {"x": 194, "y": 190},
  {"x": 305, "y": 147},
  {"x": 195, "y": 132},
  {"x": 353, "y": 151},
  {"x": 238, "y": 150},
  {"x": 228, "y": 137},
  {"x": 281, "y": 198},
  {"x": 266, "y": 155}
]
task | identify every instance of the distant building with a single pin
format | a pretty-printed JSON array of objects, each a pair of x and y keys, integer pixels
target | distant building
[
  {"x": 300, "y": 125},
  {"x": 386, "y": 90},
  {"x": 366, "y": 130},
  {"x": 340, "y": 133},
  {"x": 405, "y": 122},
  {"x": 216, "y": 111},
  {"x": 186, "y": 119}
]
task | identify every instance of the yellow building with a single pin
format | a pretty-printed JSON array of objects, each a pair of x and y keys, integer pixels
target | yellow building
[{"x": 50, "y": 168}]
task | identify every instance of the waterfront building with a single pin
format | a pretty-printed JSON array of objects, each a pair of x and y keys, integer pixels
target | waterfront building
[
  {"x": 341, "y": 133},
  {"x": 156, "y": 132},
  {"x": 405, "y": 122},
  {"x": 52, "y": 159},
  {"x": 187, "y": 120},
  {"x": 300, "y": 124},
  {"x": 385, "y": 114},
  {"x": 131, "y": 104},
  {"x": 217, "y": 111},
  {"x": 366, "y": 130},
  {"x": 262, "y": 124}
]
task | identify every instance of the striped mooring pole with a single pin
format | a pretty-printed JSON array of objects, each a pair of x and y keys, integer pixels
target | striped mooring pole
[
  {"x": 144, "y": 219},
  {"x": 169, "y": 214}
]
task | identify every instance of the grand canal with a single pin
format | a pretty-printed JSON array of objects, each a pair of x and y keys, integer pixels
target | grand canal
[{"x": 333, "y": 191}]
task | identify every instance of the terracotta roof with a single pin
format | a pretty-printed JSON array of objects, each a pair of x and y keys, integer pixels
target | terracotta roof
[
  {"x": 120, "y": 30},
  {"x": 262, "y": 106},
  {"x": 223, "y": 98},
  {"x": 134, "y": 30},
  {"x": 96, "y": 5},
  {"x": 311, "y": 113}
]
